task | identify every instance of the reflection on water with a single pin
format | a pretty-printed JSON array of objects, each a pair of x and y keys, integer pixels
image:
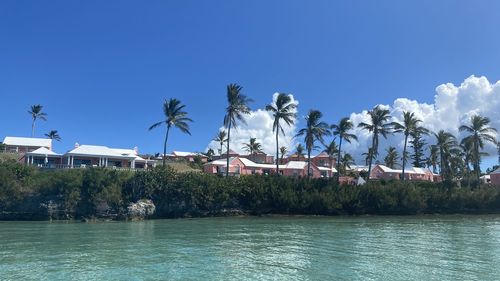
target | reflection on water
[{"x": 284, "y": 248}]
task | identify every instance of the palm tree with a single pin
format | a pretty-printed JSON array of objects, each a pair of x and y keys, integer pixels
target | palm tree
[
  {"x": 221, "y": 138},
  {"x": 36, "y": 113},
  {"x": 342, "y": 131},
  {"x": 409, "y": 125},
  {"x": 237, "y": 107},
  {"x": 331, "y": 149},
  {"x": 445, "y": 142},
  {"x": 391, "y": 159},
  {"x": 379, "y": 125},
  {"x": 299, "y": 151},
  {"x": 368, "y": 155},
  {"x": 53, "y": 135},
  {"x": 479, "y": 133},
  {"x": 433, "y": 158},
  {"x": 467, "y": 150},
  {"x": 174, "y": 116},
  {"x": 314, "y": 131},
  {"x": 282, "y": 109},
  {"x": 252, "y": 147},
  {"x": 210, "y": 154},
  {"x": 283, "y": 151},
  {"x": 347, "y": 160}
]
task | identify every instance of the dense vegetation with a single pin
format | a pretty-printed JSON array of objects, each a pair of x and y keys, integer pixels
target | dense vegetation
[{"x": 97, "y": 192}]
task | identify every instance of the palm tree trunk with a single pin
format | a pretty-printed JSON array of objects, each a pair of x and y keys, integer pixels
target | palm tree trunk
[
  {"x": 308, "y": 163},
  {"x": 277, "y": 155},
  {"x": 477, "y": 169},
  {"x": 442, "y": 167},
  {"x": 33, "y": 128},
  {"x": 227, "y": 155},
  {"x": 370, "y": 157},
  {"x": 404, "y": 156},
  {"x": 165, "y": 145},
  {"x": 338, "y": 160}
]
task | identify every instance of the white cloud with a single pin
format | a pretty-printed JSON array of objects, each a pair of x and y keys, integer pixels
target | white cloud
[
  {"x": 259, "y": 124},
  {"x": 453, "y": 106}
]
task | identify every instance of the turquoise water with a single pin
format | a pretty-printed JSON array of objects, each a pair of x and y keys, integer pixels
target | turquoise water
[{"x": 283, "y": 248}]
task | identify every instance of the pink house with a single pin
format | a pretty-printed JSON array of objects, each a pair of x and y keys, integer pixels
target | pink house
[
  {"x": 411, "y": 173},
  {"x": 243, "y": 166},
  {"x": 495, "y": 177}
]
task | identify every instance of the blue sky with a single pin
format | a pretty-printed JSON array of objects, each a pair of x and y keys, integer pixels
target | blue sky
[{"x": 103, "y": 68}]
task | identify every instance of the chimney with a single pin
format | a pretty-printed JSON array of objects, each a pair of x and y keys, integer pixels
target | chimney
[
  {"x": 77, "y": 145},
  {"x": 136, "y": 149}
]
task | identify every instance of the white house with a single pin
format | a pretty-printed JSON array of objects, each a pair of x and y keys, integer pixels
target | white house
[{"x": 24, "y": 145}]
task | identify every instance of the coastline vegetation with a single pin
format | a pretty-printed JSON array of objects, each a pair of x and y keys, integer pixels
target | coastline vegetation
[{"x": 98, "y": 192}]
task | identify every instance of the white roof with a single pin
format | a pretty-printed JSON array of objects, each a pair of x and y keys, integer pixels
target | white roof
[
  {"x": 98, "y": 151},
  {"x": 358, "y": 168},
  {"x": 296, "y": 165},
  {"x": 387, "y": 169},
  {"x": 124, "y": 151},
  {"x": 42, "y": 151},
  {"x": 19, "y": 141},
  {"x": 327, "y": 169},
  {"x": 409, "y": 170},
  {"x": 182, "y": 153}
]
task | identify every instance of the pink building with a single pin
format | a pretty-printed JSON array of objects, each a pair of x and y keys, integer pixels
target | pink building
[
  {"x": 411, "y": 173},
  {"x": 243, "y": 166},
  {"x": 495, "y": 177}
]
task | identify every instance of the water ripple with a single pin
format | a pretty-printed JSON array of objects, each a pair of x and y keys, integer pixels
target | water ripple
[{"x": 280, "y": 248}]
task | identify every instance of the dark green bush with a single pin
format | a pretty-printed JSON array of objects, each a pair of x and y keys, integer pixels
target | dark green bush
[{"x": 85, "y": 192}]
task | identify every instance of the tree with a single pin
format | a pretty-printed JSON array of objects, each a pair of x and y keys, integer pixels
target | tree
[
  {"x": 283, "y": 110},
  {"x": 314, "y": 131},
  {"x": 391, "y": 159},
  {"x": 175, "y": 116},
  {"x": 299, "y": 151},
  {"x": 479, "y": 133},
  {"x": 379, "y": 125},
  {"x": 409, "y": 125},
  {"x": 467, "y": 152},
  {"x": 252, "y": 147},
  {"x": 331, "y": 149},
  {"x": 445, "y": 142},
  {"x": 221, "y": 137},
  {"x": 283, "y": 151},
  {"x": 36, "y": 113},
  {"x": 53, "y": 135},
  {"x": 210, "y": 154},
  {"x": 347, "y": 160},
  {"x": 342, "y": 131},
  {"x": 418, "y": 143},
  {"x": 237, "y": 108},
  {"x": 433, "y": 158},
  {"x": 369, "y": 155}
]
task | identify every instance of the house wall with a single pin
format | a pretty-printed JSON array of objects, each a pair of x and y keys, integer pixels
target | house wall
[
  {"x": 22, "y": 149},
  {"x": 378, "y": 173},
  {"x": 324, "y": 162},
  {"x": 495, "y": 179}
]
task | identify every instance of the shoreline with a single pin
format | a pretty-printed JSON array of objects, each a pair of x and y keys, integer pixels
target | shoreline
[{"x": 270, "y": 215}]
